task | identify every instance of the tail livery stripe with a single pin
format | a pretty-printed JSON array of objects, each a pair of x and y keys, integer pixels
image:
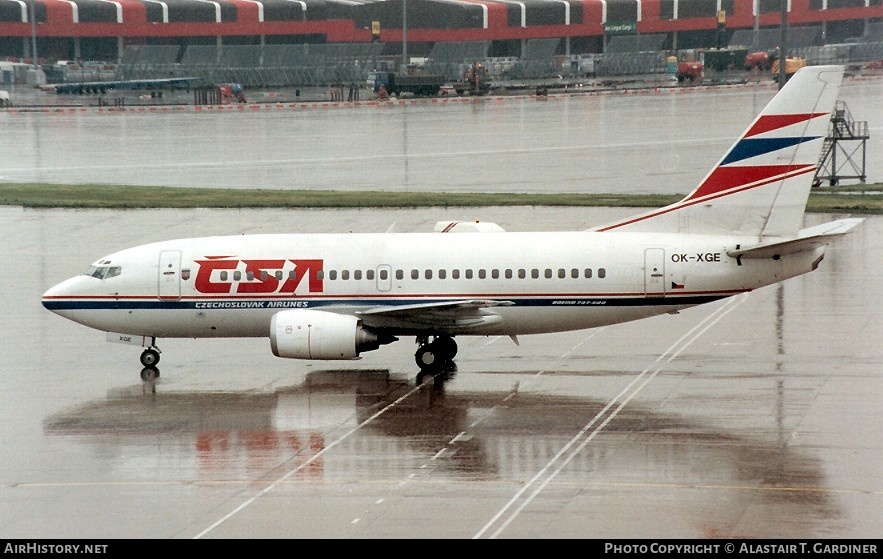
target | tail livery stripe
[
  {"x": 726, "y": 179},
  {"x": 761, "y": 185},
  {"x": 746, "y": 149},
  {"x": 699, "y": 198},
  {"x": 767, "y": 123},
  {"x": 727, "y": 175}
]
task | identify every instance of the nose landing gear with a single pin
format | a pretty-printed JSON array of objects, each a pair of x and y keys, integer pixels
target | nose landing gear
[{"x": 150, "y": 356}]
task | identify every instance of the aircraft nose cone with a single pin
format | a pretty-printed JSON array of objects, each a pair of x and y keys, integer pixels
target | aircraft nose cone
[
  {"x": 49, "y": 298},
  {"x": 53, "y": 297}
]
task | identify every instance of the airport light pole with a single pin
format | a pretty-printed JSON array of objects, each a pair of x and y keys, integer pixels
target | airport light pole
[
  {"x": 783, "y": 43},
  {"x": 755, "y": 45},
  {"x": 33, "y": 35},
  {"x": 405, "y": 33}
]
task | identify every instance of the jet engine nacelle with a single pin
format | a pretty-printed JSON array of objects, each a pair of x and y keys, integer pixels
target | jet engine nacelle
[{"x": 309, "y": 334}]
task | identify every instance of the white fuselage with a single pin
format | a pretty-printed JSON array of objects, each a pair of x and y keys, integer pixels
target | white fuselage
[
  {"x": 333, "y": 296},
  {"x": 232, "y": 286}
]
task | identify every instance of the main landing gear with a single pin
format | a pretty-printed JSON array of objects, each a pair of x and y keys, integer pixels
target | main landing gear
[{"x": 435, "y": 356}]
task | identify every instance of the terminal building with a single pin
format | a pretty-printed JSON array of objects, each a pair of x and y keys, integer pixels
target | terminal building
[{"x": 272, "y": 33}]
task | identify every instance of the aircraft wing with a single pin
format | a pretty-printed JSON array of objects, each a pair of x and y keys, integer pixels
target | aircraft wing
[
  {"x": 450, "y": 316},
  {"x": 807, "y": 239}
]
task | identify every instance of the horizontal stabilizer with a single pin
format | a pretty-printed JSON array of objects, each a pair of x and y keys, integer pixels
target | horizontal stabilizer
[{"x": 807, "y": 239}]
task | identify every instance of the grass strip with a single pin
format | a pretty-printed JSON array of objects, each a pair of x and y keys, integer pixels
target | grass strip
[{"x": 865, "y": 199}]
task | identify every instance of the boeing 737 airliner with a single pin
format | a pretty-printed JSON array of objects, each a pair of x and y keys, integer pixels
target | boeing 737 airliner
[{"x": 335, "y": 296}]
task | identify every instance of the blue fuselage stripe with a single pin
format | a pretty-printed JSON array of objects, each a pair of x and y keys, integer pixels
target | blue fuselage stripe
[{"x": 556, "y": 301}]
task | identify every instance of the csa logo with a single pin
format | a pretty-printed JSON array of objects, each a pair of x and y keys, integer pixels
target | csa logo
[{"x": 224, "y": 274}]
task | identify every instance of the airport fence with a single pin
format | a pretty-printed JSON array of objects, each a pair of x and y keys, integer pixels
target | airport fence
[{"x": 258, "y": 66}]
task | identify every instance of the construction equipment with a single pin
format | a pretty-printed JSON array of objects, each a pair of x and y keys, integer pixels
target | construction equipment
[{"x": 474, "y": 81}]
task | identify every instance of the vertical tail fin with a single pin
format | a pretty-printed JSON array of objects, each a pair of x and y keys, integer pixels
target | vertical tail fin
[{"x": 760, "y": 187}]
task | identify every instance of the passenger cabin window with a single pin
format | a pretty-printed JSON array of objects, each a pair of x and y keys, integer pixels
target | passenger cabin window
[{"x": 105, "y": 272}]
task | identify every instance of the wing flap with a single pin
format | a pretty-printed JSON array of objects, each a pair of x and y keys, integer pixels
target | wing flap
[{"x": 454, "y": 316}]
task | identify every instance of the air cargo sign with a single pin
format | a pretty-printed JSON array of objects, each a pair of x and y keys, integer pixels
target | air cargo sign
[
  {"x": 621, "y": 27},
  {"x": 226, "y": 275}
]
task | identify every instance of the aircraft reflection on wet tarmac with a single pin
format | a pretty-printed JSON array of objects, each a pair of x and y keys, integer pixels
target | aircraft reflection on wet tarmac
[{"x": 370, "y": 424}]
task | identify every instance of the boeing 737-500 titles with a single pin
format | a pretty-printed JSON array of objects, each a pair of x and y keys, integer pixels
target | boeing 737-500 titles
[{"x": 336, "y": 296}]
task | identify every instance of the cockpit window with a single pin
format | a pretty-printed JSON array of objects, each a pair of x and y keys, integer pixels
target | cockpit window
[{"x": 103, "y": 272}]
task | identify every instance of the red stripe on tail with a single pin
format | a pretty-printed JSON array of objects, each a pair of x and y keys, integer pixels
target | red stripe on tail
[
  {"x": 727, "y": 178},
  {"x": 767, "y": 123}
]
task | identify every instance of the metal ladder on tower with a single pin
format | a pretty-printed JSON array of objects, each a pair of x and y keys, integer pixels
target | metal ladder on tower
[{"x": 852, "y": 161}]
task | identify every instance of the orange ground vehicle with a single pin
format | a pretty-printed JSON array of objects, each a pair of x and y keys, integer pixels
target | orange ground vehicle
[
  {"x": 691, "y": 71},
  {"x": 760, "y": 60},
  {"x": 791, "y": 66}
]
